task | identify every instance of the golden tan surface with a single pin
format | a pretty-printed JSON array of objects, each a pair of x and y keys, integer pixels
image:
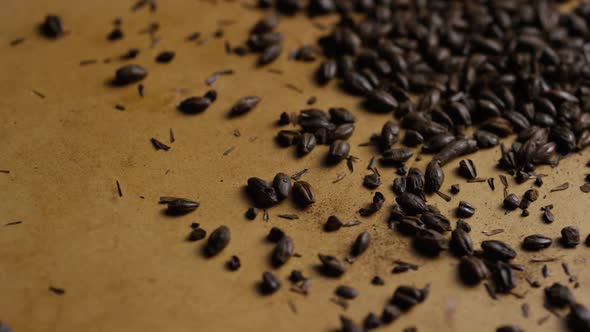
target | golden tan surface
[{"x": 127, "y": 267}]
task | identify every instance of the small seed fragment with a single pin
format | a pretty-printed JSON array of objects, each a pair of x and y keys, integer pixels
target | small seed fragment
[
  {"x": 197, "y": 234},
  {"x": 251, "y": 213},
  {"x": 378, "y": 200},
  {"x": 531, "y": 195},
  {"x": 372, "y": 181},
  {"x": 548, "y": 216},
  {"x": 165, "y": 57},
  {"x": 286, "y": 138},
  {"x": 570, "y": 237},
  {"x": 296, "y": 276},
  {"x": 463, "y": 225},
  {"x": 52, "y": 27},
  {"x": 275, "y": 234},
  {"x": 332, "y": 224},
  {"x": 283, "y": 251},
  {"x": 270, "y": 283},
  {"x": 234, "y": 263},
  {"x": 377, "y": 281}
]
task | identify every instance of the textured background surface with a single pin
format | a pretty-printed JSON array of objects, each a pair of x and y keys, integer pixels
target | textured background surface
[{"x": 126, "y": 267}]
